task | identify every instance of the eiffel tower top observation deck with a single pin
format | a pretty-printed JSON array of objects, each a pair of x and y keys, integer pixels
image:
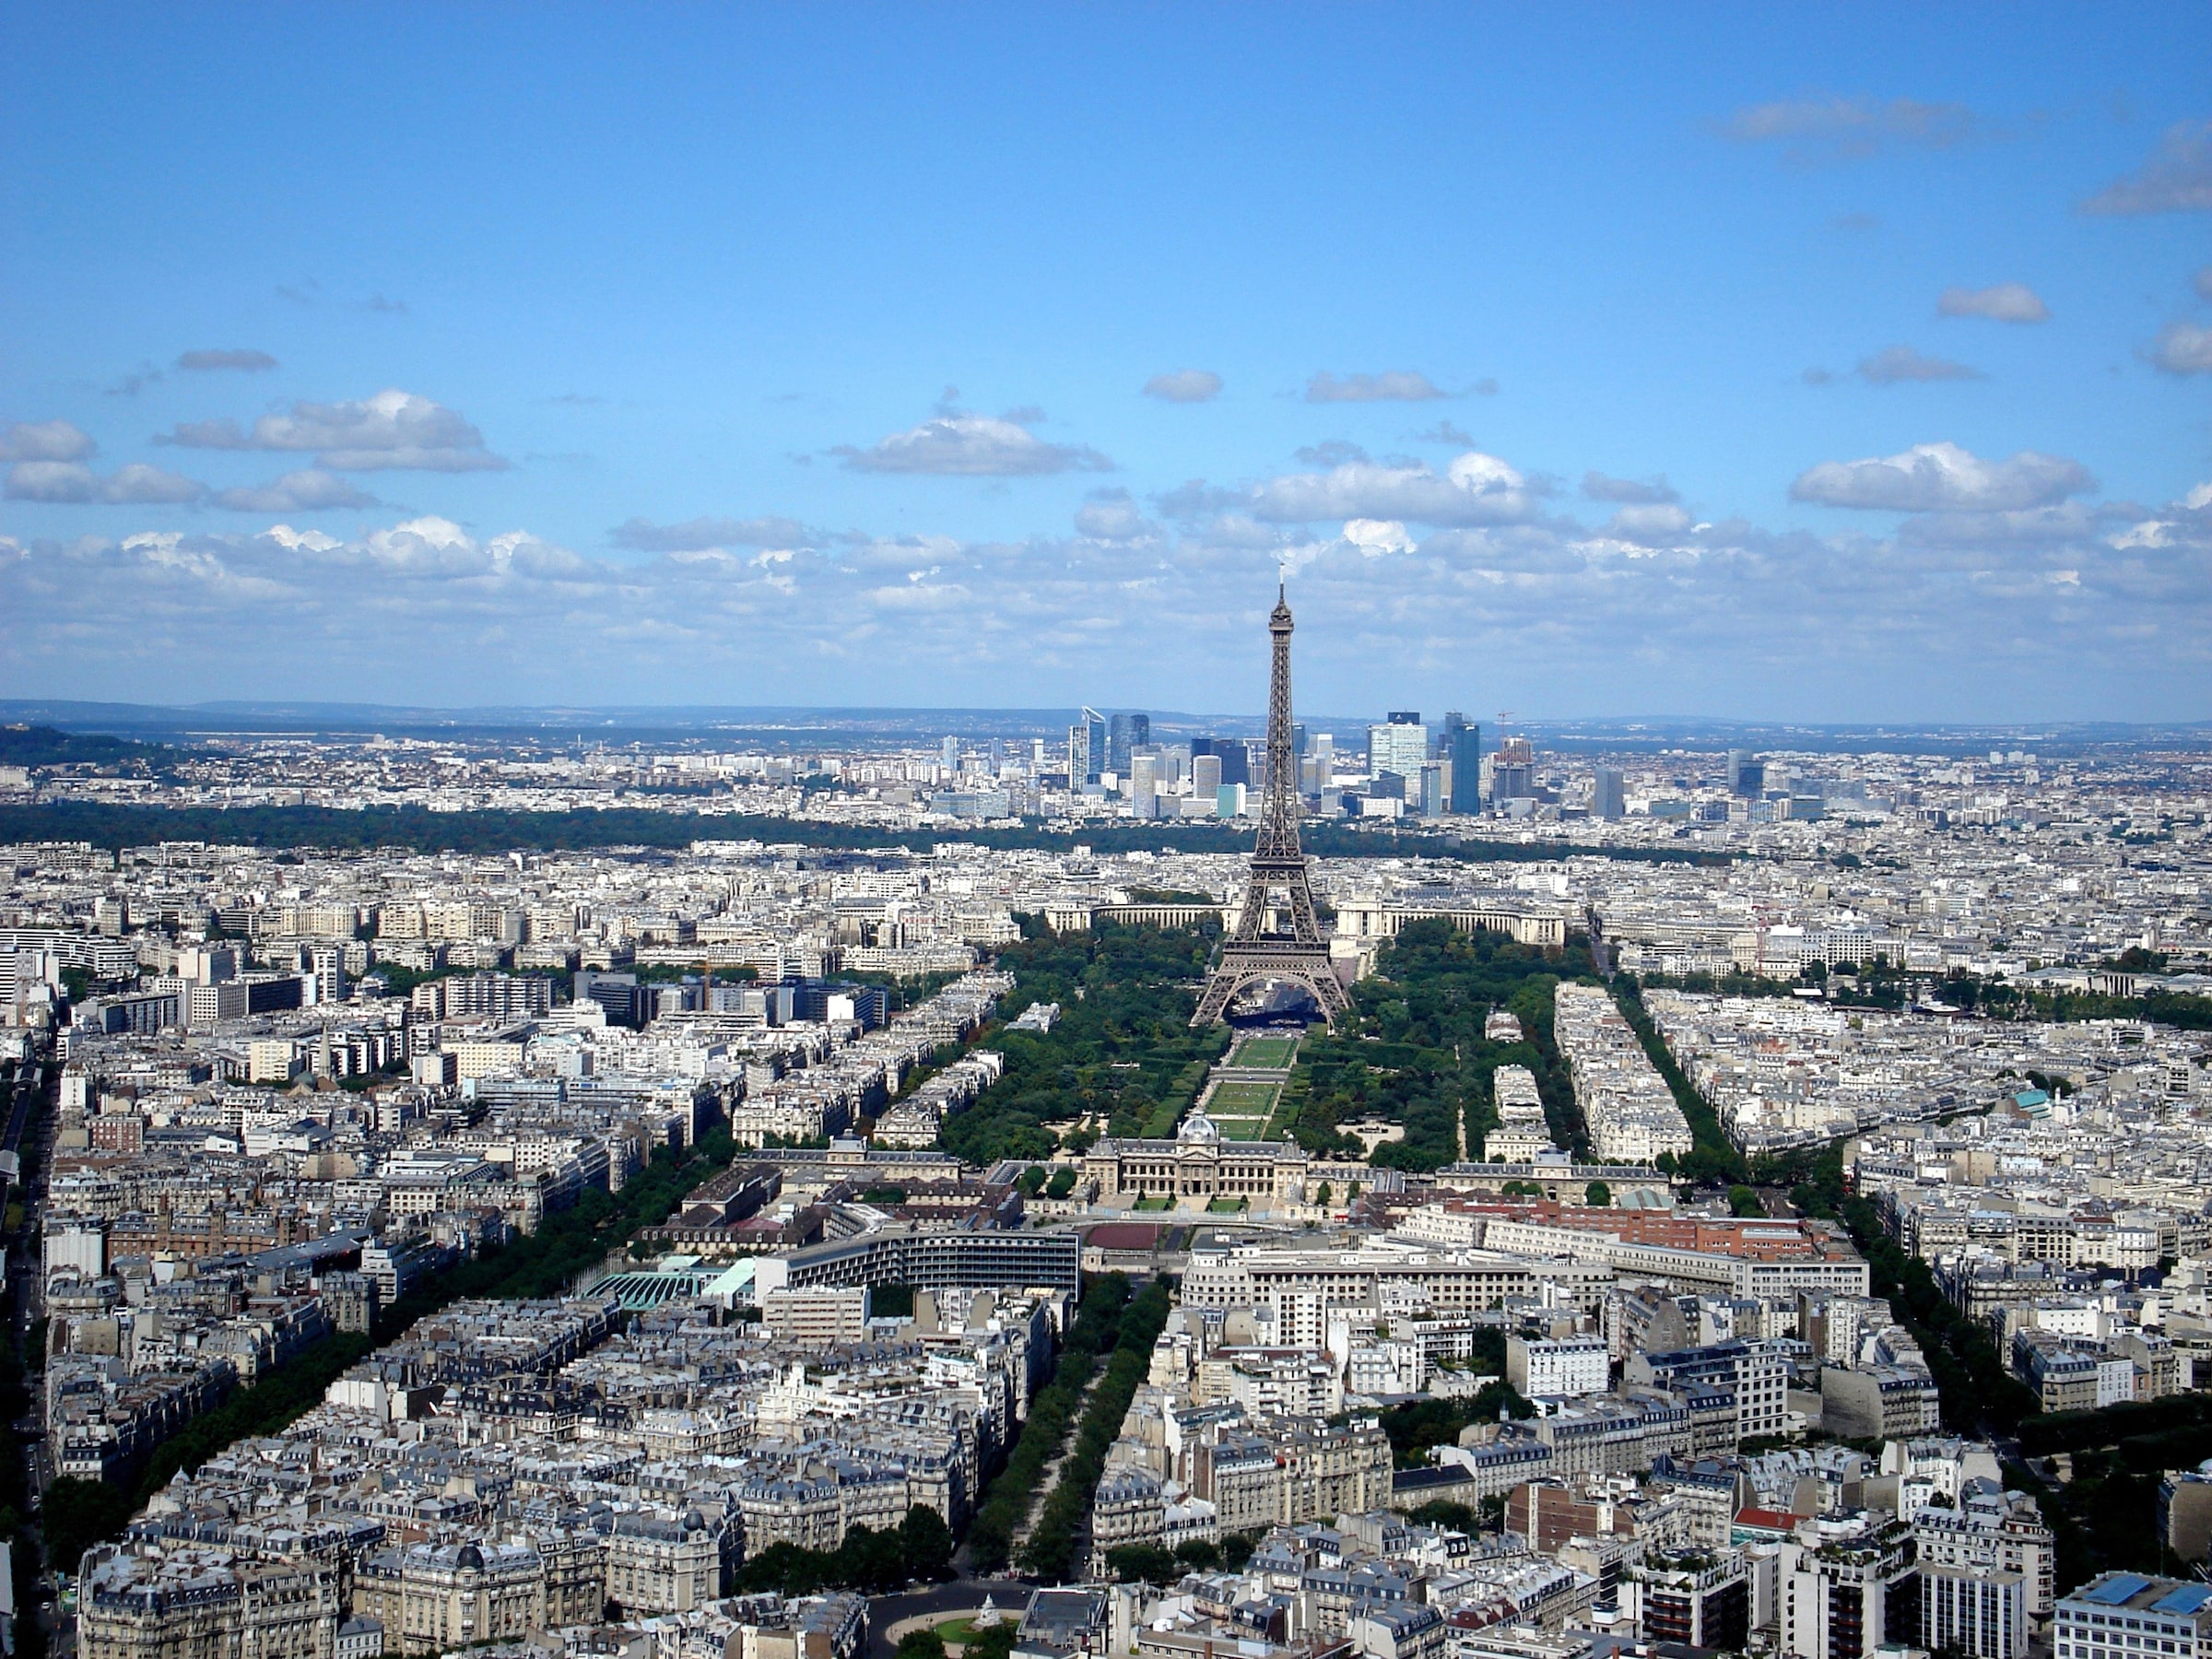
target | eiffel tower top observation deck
[{"x": 1252, "y": 955}]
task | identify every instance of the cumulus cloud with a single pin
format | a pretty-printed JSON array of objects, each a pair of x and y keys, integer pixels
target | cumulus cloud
[
  {"x": 252, "y": 362},
  {"x": 1110, "y": 515},
  {"x": 391, "y": 429},
  {"x": 1637, "y": 492},
  {"x": 696, "y": 535},
  {"x": 2176, "y": 178},
  {"x": 2183, "y": 348},
  {"x": 311, "y": 489},
  {"x": 1195, "y": 500},
  {"x": 74, "y": 484},
  {"x": 1900, "y": 365},
  {"x": 131, "y": 384},
  {"x": 1826, "y": 127},
  {"x": 1475, "y": 490},
  {"x": 1943, "y": 477},
  {"x": 44, "y": 441},
  {"x": 1375, "y": 538},
  {"x": 1396, "y": 385},
  {"x": 141, "y": 483},
  {"x": 1723, "y": 609},
  {"x": 1652, "y": 522},
  {"x": 960, "y": 445},
  {"x": 51, "y": 482},
  {"x": 1184, "y": 385},
  {"x": 2006, "y": 302},
  {"x": 1329, "y": 451}
]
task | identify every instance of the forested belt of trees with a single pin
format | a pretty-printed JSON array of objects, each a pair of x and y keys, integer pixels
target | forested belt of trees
[
  {"x": 495, "y": 829},
  {"x": 1123, "y": 1047},
  {"x": 1413, "y": 1051}
]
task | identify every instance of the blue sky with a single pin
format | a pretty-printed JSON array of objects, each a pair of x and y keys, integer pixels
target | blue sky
[{"x": 1736, "y": 361}]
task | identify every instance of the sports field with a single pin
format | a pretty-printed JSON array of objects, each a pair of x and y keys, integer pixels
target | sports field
[
  {"x": 1270, "y": 1054},
  {"x": 1239, "y": 1100}
]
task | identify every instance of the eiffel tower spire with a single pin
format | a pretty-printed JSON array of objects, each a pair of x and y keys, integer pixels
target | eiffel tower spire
[{"x": 1252, "y": 954}]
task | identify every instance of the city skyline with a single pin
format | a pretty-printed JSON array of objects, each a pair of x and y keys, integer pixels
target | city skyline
[{"x": 748, "y": 359}]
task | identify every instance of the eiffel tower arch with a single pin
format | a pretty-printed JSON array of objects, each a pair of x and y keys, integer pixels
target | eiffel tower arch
[{"x": 1253, "y": 954}]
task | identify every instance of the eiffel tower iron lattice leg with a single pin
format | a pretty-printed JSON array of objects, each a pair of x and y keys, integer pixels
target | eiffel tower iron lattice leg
[{"x": 1253, "y": 955}]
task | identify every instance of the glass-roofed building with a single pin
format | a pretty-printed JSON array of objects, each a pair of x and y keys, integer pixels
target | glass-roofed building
[{"x": 2134, "y": 1616}]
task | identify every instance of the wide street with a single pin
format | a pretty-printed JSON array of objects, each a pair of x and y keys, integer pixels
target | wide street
[{"x": 886, "y": 1613}]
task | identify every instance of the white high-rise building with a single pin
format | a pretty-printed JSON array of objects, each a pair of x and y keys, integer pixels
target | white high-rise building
[{"x": 1399, "y": 746}]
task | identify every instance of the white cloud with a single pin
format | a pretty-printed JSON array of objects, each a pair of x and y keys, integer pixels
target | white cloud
[
  {"x": 1826, "y": 127},
  {"x": 1396, "y": 385},
  {"x": 1634, "y": 492},
  {"x": 696, "y": 535},
  {"x": 960, "y": 445},
  {"x": 71, "y": 483},
  {"x": 1943, "y": 477},
  {"x": 1900, "y": 365},
  {"x": 51, "y": 482},
  {"x": 141, "y": 483},
  {"x": 251, "y": 362},
  {"x": 2183, "y": 348},
  {"x": 1726, "y": 613},
  {"x": 1110, "y": 515},
  {"x": 1652, "y": 521},
  {"x": 2005, "y": 302},
  {"x": 2177, "y": 178},
  {"x": 1475, "y": 490},
  {"x": 391, "y": 429},
  {"x": 44, "y": 440},
  {"x": 1375, "y": 538},
  {"x": 311, "y": 489},
  {"x": 1184, "y": 385}
]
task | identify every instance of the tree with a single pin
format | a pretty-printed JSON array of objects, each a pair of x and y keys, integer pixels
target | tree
[
  {"x": 1062, "y": 1183},
  {"x": 1442, "y": 1511},
  {"x": 921, "y": 1644},
  {"x": 80, "y": 1513},
  {"x": 1322, "y": 1194},
  {"x": 1744, "y": 1201},
  {"x": 927, "y": 1543},
  {"x": 1198, "y": 1554},
  {"x": 1597, "y": 1195},
  {"x": 1143, "y": 1564},
  {"x": 1032, "y": 1180}
]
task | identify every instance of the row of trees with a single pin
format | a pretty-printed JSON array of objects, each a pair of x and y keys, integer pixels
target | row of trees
[
  {"x": 500, "y": 831},
  {"x": 1413, "y": 1052},
  {"x": 873, "y": 1562},
  {"x": 1050, "y": 1552},
  {"x": 1007, "y": 1502},
  {"x": 1157, "y": 1564}
]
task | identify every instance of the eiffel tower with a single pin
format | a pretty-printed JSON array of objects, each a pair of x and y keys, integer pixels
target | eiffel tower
[{"x": 1253, "y": 955}]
